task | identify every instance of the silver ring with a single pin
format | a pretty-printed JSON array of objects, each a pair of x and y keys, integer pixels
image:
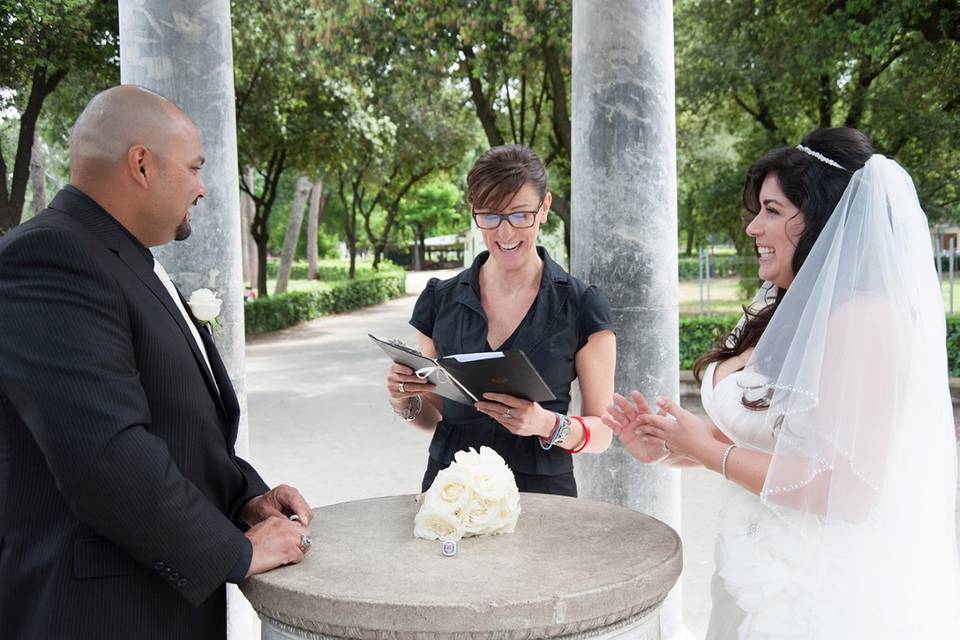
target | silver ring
[
  {"x": 305, "y": 542},
  {"x": 507, "y": 414},
  {"x": 400, "y": 387},
  {"x": 665, "y": 447}
]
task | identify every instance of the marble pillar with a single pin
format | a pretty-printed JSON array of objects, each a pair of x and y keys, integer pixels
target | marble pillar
[
  {"x": 624, "y": 227},
  {"x": 182, "y": 49}
]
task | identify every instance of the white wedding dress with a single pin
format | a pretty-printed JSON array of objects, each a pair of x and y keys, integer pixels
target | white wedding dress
[
  {"x": 762, "y": 587},
  {"x": 751, "y": 596},
  {"x": 854, "y": 534},
  {"x": 756, "y": 589}
]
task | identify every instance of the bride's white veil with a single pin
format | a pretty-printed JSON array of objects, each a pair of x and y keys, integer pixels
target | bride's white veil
[{"x": 865, "y": 465}]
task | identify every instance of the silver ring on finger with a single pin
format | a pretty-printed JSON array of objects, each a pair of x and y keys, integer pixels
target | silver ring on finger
[
  {"x": 507, "y": 414},
  {"x": 305, "y": 542},
  {"x": 401, "y": 388},
  {"x": 666, "y": 449}
]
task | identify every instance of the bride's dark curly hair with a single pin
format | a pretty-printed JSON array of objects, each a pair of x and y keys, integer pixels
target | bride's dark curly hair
[{"x": 815, "y": 187}]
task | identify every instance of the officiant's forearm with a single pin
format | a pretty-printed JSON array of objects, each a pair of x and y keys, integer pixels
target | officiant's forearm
[
  {"x": 429, "y": 415},
  {"x": 600, "y": 435}
]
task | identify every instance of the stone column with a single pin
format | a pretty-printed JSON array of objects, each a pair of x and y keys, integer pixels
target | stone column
[
  {"x": 624, "y": 227},
  {"x": 182, "y": 49}
]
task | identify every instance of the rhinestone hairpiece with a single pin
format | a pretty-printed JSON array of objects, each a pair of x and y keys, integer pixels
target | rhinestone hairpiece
[{"x": 820, "y": 157}]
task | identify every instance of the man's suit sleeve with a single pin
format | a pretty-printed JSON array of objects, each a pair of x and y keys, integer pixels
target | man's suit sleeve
[
  {"x": 255, "y": 486},
  {"x": 68, "y": 367}
]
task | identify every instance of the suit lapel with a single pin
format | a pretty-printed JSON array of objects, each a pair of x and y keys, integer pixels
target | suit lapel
[
  {"x": 227, "y": 397},
  {"x": 99, "y": 223},
  {"x": 152, "y": 282}
]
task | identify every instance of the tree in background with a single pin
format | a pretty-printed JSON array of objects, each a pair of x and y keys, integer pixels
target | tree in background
[
  {"x": 294, "y": 223},
  {"x": 432, "y": 131},
  {"x": 291, "y": 113},
  {"x": 432, "y": 136},
  {"x": 41, "y": 43},
  {"x": 708, "y": 202},
  {"x": 510, "y": 59},
  {"x": 436, "y": 207},
  {"x": 762, "y": 74}
]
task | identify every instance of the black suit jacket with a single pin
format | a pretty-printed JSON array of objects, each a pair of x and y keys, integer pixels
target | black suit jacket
[{"x": 118, "y": 477}]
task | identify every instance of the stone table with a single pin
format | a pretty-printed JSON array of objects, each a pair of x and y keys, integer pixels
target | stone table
[{"x": 573, "y": 569}]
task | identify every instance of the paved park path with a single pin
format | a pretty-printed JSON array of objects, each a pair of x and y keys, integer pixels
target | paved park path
[{"x": 319, "y": 420}]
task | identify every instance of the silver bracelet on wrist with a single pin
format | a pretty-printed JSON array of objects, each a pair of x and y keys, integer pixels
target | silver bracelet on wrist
[
  {"x": 723, "y": 461},
  {"x": 561, "y": 430},
  {"x": 409, "y": 414}
]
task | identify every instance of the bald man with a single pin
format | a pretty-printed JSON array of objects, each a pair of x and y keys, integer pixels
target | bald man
[{"x": 123, "y": 507}]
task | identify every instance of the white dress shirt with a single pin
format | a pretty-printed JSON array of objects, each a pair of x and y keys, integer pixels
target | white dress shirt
[{"x": 172, "y": 290}]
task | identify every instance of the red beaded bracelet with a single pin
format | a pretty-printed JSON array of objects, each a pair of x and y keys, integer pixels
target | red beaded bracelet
[{"x": 586, "y": 435}]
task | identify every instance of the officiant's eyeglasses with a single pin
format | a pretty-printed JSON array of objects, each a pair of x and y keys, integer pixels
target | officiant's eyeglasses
[{"x": 517, "y": 219}]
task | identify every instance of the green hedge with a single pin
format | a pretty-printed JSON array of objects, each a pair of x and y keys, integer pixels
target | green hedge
[
  {"x": 953, "y": 344},
  {"x": 331, "y": 270},
  {"x": 287, "y": 309},
  {"x": 698, "y": 335}
]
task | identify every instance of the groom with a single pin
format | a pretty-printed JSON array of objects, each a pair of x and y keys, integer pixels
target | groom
[{"x": 122, "y": 501}]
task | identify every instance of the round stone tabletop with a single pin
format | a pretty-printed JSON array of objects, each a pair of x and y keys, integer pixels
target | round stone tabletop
[{"x": 570, "y": 567}]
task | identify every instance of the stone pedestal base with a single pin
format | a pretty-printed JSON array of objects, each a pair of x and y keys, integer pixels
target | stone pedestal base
[
  {"x": 645, "y": 626},
  {"x": 573, "y": 569}
]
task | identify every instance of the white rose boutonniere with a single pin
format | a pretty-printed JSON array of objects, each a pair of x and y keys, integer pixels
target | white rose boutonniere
[
  {"x": 205, "y": 306},
  {"x": 476, "y": 495}
]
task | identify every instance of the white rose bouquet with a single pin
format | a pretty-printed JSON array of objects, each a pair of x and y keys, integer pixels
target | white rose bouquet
[{"x": 475, "y": 495}]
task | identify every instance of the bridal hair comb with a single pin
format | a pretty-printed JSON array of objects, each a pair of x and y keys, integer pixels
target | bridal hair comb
[{"x": 820, "y": 157}]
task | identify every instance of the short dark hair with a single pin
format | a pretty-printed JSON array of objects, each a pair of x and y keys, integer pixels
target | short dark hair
[
  {"x": 501, "y": 172},
  {"x": 815, "y": 187}
]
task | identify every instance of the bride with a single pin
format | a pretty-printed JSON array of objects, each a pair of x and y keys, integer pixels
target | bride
[{"x": 829, "y": 411}]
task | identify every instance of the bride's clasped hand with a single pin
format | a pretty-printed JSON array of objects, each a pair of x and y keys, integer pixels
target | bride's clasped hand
[{"x": 653, "y": 436}]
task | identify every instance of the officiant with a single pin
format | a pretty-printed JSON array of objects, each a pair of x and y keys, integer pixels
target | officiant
[{"x": 513, "y": 296}]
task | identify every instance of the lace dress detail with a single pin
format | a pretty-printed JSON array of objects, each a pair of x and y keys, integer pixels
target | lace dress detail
[{"x": 757, "y": 591}]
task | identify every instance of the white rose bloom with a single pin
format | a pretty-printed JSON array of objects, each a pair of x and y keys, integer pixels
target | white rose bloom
[
  {"x": 491, "y": 477},
  {"x": 450, "y": 490},
  {"x": 437, "y": 525},
  {"x": 489, "y": 456},
  {"x": 468, "y": 459},
  {"x": 490, "y": 484},
  {"x": 507, "y": 522},
  {"x": 480, "y": 516},
  {"x": 205, "y": 305},
  {"x": 511, "y": 500},
  {"x": 476, "y": 495}
]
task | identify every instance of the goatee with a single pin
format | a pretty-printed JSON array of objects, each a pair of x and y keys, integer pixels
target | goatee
[{"x": 183, "y": 230}]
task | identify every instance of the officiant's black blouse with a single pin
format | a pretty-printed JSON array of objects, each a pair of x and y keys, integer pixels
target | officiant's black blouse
[{"x": 563, "y": 316}]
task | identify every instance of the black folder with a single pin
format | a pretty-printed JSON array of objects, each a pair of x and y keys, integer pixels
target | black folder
[{"x": 466, "y": 377}]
